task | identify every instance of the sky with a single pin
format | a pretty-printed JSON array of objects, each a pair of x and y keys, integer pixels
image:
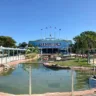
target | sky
[{"x": 24, "y": 19}]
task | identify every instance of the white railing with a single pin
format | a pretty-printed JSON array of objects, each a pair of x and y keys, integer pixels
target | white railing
[{"x": 5, "y": 60}]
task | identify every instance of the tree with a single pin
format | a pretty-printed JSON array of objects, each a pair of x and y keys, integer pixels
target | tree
[
  {"x": 22, "y": 45},
  {"x": 86, "y": 40},
  {"x": 7, "y": 41},
  {"x": 30, "y": 45}
]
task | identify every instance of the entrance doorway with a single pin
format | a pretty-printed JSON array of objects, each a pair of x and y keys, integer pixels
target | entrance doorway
[{"x": 50, "y": 50}]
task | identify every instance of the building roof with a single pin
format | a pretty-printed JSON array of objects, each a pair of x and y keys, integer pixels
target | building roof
[{"x": 51, "y": 40}]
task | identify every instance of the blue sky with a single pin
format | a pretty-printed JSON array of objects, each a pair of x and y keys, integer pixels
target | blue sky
[{"x": 23, "y": 19}]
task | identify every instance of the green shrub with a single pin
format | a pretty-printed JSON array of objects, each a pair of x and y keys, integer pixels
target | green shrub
[{"x": 30, "y": 56}]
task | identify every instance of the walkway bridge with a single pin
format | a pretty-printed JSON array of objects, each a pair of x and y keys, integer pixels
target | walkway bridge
[{"x": 11, "y": 54}]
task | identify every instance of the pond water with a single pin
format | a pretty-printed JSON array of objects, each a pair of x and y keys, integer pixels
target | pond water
[{"x": 16, "y": 81}]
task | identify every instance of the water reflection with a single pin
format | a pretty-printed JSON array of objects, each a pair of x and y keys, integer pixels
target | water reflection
[
  {"x": 82, "y": 80},
  {"x": 43, "y": 79},
  {"x": 7, "y": 71}
]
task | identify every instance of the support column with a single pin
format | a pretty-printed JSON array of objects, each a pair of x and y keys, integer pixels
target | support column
[
  {"x": 72, "y": 82},
  {"x": 13, "y": 55},
  {"x": 25, "y": 55},
  {"x": 9, "y": 55},
  {"x": 2, "y": 57},
  {"x": 20, "y": 54},
  {"x": 30, "y": 81},
  {"x": 6, "y": 56},
  {"x": 17, "y": 55}
]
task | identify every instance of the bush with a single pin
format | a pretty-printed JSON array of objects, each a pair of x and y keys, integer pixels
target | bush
[
  {"x": 30, "y": 56},
  {"x": 32, "y": 50}
]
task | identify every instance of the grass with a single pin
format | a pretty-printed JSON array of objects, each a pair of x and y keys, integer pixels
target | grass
[
  {"x": 32, "y": 62},
  {"x": 74, "y": 62},
  {"x": 31, "y": 55}
]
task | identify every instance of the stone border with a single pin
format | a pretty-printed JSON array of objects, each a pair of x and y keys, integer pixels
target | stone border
[{"x": 69, "y": 67}]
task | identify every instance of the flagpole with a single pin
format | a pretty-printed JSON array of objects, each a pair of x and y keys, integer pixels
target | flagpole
[
  {"x": 41, "y": 34},
  {"x": 46, "y": 32},
  {"x": 59, "y": 33},
  {"x": 54, "y": 34},
  {"x": 50, "y": 33}
]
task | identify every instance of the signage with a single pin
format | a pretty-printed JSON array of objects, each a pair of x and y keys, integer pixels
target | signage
[{"x": 49, "y": 44}]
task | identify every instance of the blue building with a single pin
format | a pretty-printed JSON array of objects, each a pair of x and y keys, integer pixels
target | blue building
[{"x": 51, "y": 45}]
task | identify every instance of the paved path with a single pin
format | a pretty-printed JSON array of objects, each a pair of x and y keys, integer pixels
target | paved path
[{"x": 90, "y": 95}]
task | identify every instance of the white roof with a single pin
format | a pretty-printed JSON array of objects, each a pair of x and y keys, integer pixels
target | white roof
[{"x": 7, "y": 48}]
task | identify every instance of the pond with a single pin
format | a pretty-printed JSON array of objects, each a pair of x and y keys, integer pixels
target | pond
[{"x": 16, "y": 81}]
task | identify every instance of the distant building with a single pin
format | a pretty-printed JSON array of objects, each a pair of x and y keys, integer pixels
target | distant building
[{"x": 51, "y": 45}]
